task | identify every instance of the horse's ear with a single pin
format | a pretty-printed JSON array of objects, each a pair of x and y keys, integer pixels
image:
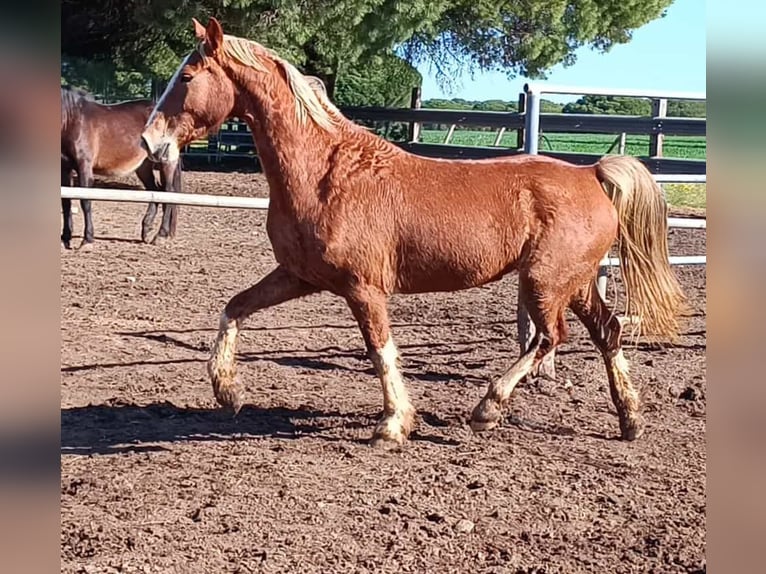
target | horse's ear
[
  {"x": 214, "y": 34},
  {"x": 199, "y": 30}
]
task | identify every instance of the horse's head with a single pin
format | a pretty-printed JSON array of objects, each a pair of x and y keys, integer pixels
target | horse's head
[
  {"x": 223, "y": 77},
  {"x": 198, "y": 98}
]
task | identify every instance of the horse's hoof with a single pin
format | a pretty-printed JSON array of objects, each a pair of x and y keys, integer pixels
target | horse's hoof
[
  {"x": 228, "y": 397},
  {"x": 485, "y": 416},
  {"x": 391, "y": 432},
  {"x": 85, "y": 246},
  {"x": 482, "y": 426},
  {"x": 160, "y": 239},
  {"x": 632, "y": 428},
  {"x": 387, "y": 444},
  {"x": 386, "y": 437}
]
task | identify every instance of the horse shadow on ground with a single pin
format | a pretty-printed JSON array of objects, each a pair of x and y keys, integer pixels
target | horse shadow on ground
[
  {"x": 417, "y": 358},
  {"x": 120, "y": 427},
  {"x": 125, "y": 427}
]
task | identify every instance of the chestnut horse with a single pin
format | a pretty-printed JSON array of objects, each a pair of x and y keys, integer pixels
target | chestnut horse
[
  {"x": 100, "y": 139},
  {"x": 355, "y": 215}
]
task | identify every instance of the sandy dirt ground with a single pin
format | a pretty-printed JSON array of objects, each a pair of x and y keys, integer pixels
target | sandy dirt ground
[{"x": 154, "y": 478}]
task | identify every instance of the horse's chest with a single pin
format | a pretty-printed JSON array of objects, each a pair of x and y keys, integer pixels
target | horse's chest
[{"x": 297, "y": 243}]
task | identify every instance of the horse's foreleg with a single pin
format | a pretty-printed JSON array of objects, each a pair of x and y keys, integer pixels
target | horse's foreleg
[
  {"x": 172, "y": 181},
  {"x": 145, "y": 173},
  {"x": 66, "y": 233},
  {"x": 606, "y": 332},
  {"x": 85, "y": 173},
  {"x": 369, "y": 309},
  {"x": 277, "y": 287}
]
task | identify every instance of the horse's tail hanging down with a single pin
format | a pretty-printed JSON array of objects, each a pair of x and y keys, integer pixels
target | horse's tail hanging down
[{"x": 653, "y": 293}]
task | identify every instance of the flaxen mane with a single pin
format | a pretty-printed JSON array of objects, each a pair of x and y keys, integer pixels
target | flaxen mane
[{"x": 308, "y": 102}]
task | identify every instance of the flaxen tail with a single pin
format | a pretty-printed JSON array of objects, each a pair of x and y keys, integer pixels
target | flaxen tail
[{"x": 653, "y": 293}]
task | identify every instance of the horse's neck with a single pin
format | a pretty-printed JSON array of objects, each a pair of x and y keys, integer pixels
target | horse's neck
[{"x": 292, "y": 154}]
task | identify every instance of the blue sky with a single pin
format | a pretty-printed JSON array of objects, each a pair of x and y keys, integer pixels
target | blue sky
[{"x": 665, "y": 54}]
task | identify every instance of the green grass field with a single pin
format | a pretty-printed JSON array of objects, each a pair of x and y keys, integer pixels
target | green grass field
[
  {"x": 674, "y": 147},
  {"x": 686, "y": 195}
]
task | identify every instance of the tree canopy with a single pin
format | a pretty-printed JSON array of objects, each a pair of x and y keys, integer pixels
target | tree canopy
[
  {"x": 633, "y": 107},
  {"x": 330, "y": 38}
]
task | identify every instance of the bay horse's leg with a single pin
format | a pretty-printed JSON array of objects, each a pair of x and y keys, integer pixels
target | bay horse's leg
[
  {"x": 66, "y": 209},
  {"x": 369, "y": 309},
  {"x": 66, "y": 232},
  {"x": 550, "y": 330},
  {"x": 605, "y": 330},
  {"x": 170, "y": 180},
  {"x": 145, "y": 173},
  {"x": 85, "y": 174},
  {"x": 277, "y": 287}
]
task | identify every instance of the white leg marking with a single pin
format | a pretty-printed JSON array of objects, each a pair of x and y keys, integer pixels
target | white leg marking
[
  {"x": 620, "y": 362},
  {"x": 398, "y": 411},
  {"x": 222, "y": 361}
]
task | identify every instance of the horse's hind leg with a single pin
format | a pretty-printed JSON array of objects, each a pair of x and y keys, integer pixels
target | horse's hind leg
[
  {"x": 145, "y": 173},
  {"x": 606, "y": 332},
  {"x": 550, "y": 330},
  {"x": 277, "y": 287},
  {"x": 369, "y": 308}
]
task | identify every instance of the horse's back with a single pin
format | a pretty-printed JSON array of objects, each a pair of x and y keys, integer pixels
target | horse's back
[{"x": 114, "y": 132}]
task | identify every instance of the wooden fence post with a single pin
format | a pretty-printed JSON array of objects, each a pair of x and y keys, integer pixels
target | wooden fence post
[
  {"x": 414, "y": 131},
  {"x": 659, "y": 110}
]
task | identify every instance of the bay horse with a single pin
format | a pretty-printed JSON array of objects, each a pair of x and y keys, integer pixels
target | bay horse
[
  {"x": 355, "y": 215},
  {"x": 104, "y": 139}
]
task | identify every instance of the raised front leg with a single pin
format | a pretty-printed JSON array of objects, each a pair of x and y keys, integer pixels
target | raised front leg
[
  {"x": 277, "y": 287},
  {"x": 369, "y": 309}
]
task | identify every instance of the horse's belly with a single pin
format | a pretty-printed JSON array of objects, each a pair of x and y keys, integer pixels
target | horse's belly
[
  {"x": 118, "y": 166},
  {"x": 452, "y": 265}
]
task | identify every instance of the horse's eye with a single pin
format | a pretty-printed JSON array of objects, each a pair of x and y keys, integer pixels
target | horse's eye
[{"x": 186, "y": 77}]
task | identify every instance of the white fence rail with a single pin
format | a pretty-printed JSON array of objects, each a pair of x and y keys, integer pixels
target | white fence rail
[
  {"x": 138, "y": 196},
  {"x": 233, "y": 202}
]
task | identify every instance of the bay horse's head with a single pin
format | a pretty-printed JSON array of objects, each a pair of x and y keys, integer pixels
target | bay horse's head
[{"x": 198, "y": 98}]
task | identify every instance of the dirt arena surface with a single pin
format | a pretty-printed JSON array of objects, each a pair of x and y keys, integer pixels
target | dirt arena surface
[{"x": 155, "y": 478}]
